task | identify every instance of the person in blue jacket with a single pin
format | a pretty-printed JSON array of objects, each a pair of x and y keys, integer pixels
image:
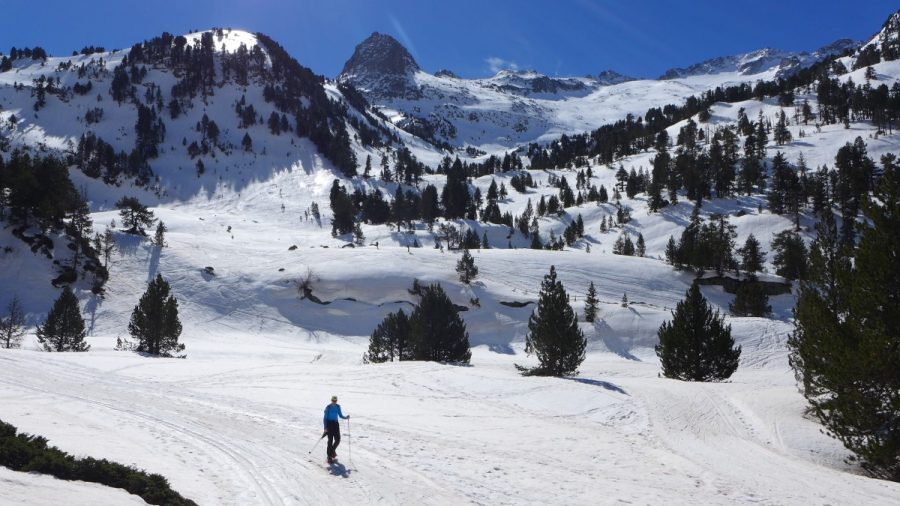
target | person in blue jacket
[{"x": 332, "y": 427}]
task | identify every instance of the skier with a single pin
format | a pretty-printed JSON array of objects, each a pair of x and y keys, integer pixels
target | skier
[{"x": 333, "y": 427}]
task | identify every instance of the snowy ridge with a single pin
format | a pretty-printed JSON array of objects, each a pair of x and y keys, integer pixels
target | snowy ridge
[{"x": 784, "y": 63}]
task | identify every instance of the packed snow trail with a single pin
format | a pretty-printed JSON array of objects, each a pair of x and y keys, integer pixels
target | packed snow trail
[{"x": 237, "y": 430}]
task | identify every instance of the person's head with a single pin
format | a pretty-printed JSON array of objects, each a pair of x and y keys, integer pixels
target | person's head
[{"x": 333, "y": 398}]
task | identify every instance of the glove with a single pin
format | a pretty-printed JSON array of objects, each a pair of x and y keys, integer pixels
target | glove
[
  {"x": 324, "y": 433},
  {"x": 348, "y": 417}
]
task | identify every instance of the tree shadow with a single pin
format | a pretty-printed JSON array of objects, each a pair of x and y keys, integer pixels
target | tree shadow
[
  {"x": 128, "y": 243},
  {"x": 91, "y": 307},
  {"x": 615, "y": 343},
  {"x": 154, "y": 262},
  {"x": 503, "y": 349},
  {"x": 600, "y": 383}
]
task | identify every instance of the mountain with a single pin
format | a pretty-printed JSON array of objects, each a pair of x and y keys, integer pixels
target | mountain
[
  {"x": 383, "y": 68},
  {"x": 782, "y": 63},
  {"x": 516, "y": 107},
  {"x": 609, "y": 77}
]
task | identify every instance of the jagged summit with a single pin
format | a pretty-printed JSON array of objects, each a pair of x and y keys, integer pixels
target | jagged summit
[{"x": 382, "y": 66}]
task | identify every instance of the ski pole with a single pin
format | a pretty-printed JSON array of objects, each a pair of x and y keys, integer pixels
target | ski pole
[
  {"x": 319, "y": 441},
  {"x": 349, "y": 443}
]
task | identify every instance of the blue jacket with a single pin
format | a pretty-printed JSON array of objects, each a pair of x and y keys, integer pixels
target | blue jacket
[{"x": 332, "y": 412}]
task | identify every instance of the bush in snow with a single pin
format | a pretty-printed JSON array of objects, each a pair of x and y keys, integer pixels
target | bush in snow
[
  {"x": 553, "y": 333},
  {"x": 64, "y": 328},
  {"x": 154, "y": 321},
  {"x": 697, "y": 345}
]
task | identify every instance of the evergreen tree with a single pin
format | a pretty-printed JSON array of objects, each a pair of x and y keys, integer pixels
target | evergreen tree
[
  {"x": 590, "y": 304},
  {"x": 108, "y": 245},
  {"x": 752, "y": 257},
  {"x": 343, "y": 210},
  {"x": 466, "y": 267},
  {"x": 12, "y": 326},
  {"x": 696, "y": 345},
  {"x": 134, "y": 215},
  {"x": 845, "y": 350},
  {"x": 64, "y": 328},
  {"x": 781, "y": 134},
  {"x": 751, "y": 299},
  {"x": 438, "y": 333},
  {"x": 390, "y": 340},
  {"x": 159, "y": 238},
  {"x": 641, "y": 247},
  {"x": 553, "y": 333},
  {"x": 791, "y": 255},
  {"x": 154, "y": 321},
  {"x": 358, "y": 237}
]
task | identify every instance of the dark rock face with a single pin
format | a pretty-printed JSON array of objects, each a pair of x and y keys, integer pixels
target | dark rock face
[
  {"x": 382, "y": 67},
  {"x": 611, "y": 77}
]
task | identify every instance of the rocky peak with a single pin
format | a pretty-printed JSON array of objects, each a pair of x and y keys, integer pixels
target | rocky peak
[
  {"x": 382, "y": 66},
  {"x": 610, "y": 77}
]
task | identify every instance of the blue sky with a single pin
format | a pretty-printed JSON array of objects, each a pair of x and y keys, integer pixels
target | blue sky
[{"x": 642, "y": 38}]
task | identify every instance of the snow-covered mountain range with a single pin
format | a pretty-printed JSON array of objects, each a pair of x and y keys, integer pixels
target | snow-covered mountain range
[
  {"x": 234, "y": 422},
  {"x": 517, "y": 107}
]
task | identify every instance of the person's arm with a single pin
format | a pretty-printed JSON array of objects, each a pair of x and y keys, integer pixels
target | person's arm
[
  {"x": 325, "y": 419},
  {"x": 341, "y": 414}
]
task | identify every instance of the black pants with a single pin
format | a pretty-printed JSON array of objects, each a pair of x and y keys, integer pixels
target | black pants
[{"x": 333, "y": 428}]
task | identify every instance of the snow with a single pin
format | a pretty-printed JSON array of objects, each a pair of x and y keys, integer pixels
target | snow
[
  {"x": 40, "y": 490},
  {"x": 234, "y": 422}
]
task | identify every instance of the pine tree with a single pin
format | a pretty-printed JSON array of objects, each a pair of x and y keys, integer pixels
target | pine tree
[
  {"x": 844, "y": 350},
  {"x": 159, "y": 238},
  {"x": 751, "y": 299},
  {"x": 63, "y": 330},
  {"x": 782, "y": 135},
  {"x": 135, "y": 215},
  {"x": 390, "y": 340},
  {"x": 466, "y": 267},
  {"x": 437, "y": 332},
  {"x": 12, "y": 326},
  {"x": 641, "y": 247},
  {"x": 553, "y": 333},
  {"x": 791, "y": 255},
  {"x": 108, "y": 245},
  {"x": 752, "y": 257},
  {"x": 358, "y": 237},
  {"x": 590, "y": 304},
  {"x": 696, "y": 345},
  {"x": 154, "y": 321}
]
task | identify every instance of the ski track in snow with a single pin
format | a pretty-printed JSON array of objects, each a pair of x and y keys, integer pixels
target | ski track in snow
[{"x": 426, "y": 434}]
